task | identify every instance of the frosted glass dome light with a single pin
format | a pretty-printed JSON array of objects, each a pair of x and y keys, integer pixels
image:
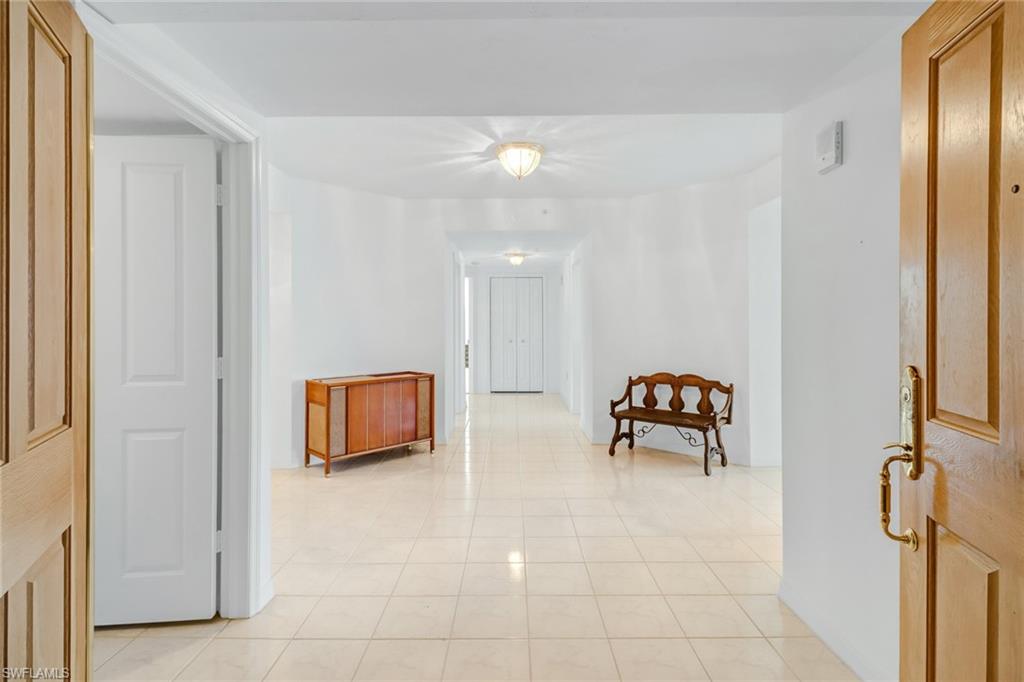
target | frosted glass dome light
[{"x": 520, "y": 158}]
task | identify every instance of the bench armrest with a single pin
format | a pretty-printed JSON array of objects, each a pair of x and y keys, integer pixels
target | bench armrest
[
  {"x": 724, "y": 415},
  {"x": 625, "y": 396}
]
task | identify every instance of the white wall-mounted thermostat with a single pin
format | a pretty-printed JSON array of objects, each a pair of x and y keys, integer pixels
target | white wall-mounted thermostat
[{"x": 829, "y": 147}]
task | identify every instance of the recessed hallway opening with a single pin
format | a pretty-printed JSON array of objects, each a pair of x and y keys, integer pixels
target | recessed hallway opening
[{"x": 516, "y": 551}]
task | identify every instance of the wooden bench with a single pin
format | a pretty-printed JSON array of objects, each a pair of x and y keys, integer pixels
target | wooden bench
[{"x": 707, "y": 416}]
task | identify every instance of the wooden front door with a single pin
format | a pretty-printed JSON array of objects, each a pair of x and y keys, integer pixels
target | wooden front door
[
  {"x": 44, "y": 420},
  {"x": 962, "y": 327}
]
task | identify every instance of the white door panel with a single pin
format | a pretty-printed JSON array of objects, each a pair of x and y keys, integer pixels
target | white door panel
[
  {"x": 154, "y": 321},
  {"x": 517, "y": 340}
]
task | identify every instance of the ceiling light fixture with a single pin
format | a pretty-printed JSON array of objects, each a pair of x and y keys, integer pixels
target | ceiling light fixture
[
  {"x": 515, "y": 258},
  {"x": 520, "y": 158}
]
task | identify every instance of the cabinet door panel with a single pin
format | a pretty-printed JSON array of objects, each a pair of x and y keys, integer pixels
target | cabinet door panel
[
  {"x": 357, "y": 413},
  {"x": 375, "y": 416},
  {"x": 393, "y": 413},
  {"x": 408, "y": 410}
]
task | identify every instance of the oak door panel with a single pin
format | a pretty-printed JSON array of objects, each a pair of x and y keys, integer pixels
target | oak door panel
[
  {"x": 962, "y": 318},
  {"x": 44, "y": 336}
]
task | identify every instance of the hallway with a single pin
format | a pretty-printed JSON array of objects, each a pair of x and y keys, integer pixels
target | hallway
[{"x": 518, "y": 551}]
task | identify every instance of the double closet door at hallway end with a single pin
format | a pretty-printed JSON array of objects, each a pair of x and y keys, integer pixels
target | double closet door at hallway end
[{"x": 517, "y": 334}]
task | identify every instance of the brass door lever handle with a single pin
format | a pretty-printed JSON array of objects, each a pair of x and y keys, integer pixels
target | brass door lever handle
[{"x": 908, "y": 537}]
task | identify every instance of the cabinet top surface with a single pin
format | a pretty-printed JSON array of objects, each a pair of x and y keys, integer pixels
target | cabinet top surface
[{"x": 369, "y": 378}]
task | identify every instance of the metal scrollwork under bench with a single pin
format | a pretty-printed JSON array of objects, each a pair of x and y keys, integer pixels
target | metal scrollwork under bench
[{"x": 706, "y": 417}]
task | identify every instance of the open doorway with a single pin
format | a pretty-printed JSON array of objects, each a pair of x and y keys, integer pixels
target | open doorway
[{"x": 177, "y": 533}]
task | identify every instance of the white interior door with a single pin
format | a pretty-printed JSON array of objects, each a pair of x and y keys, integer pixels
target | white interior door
[
  {"x": 517, "y": 339},
  {"x": 155, "y": 426}
]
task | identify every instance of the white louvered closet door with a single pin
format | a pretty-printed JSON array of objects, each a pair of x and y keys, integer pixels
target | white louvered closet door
[{"x": 517, "y": 335}]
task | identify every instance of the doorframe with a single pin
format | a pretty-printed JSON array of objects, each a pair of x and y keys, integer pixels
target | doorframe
[{"x": 245, "y": 583}]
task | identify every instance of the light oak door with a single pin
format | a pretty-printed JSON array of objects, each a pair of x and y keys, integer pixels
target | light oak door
[
  {"x": 155, "y": 395},
  {"x": 962, "y": 327},
  {"x": 44, "y": 458}
]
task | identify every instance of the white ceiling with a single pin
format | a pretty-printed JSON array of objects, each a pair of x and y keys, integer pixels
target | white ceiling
[
  {"x": 519, "y": 58},
  {"x": 122, "y": 105},
  {"x": 586, "y": 156}
]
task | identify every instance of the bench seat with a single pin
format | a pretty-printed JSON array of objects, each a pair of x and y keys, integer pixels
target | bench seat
[{"x": 667, "y": 417}]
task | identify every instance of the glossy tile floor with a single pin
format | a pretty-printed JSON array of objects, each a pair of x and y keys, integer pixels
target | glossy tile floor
[{"x": 517, "y": 552}]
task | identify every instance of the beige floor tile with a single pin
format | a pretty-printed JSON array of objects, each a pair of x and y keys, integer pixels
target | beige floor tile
[
  {"x": 553, "y": 550},
  {"x": 686, "y": 578},
  {"x": 151, "y": 659},
  {"x": 447, "y": 527},
  {"x": 490, "y": 617},
  {"x": 772, "y": 617},
  {"x": 496, "y": 550},
  {"x": 234, "y": 659},
  {"x": 343, "y": 618},
  {"x": 768, "y": 547},
  {"x": 488, "y": 659},
  {"x": 648, "y": 660},
  {"x": 742, "y": 660},
  {"x": 201, "y": 629},
  {"x": 562, "y": 579},
  {"x": 549, "y": 526},
  {"x": 494, "y": 579},
  {"x": 810, "y": 659},
  {"x": 599, "y": 526},
  {"x": 499, "y": 507},
  {"x": 416, "y": 618},
  {"x": 104, "y": 648},
  {"x": 621, "y": 578},
  {"x": 430, "y": 579},
  {"x": 440, "y": 550},
  {"x": 366, "y": 579},
  {"x": 704, "y": 616},
  {"x": 747, "y": 578},
  {"x": 571, "y": 617},
  {"x": 318, "y": 659},
  {"x": 545, "y": 507},
  {"x": 498, "y": 527},
  {"x": 592, "y": 507},
  {"x": 718, "y": 548},
  {"x": 666, "y": 549},
  {"x": 279, "y": 619},
  {"x": 394, "y": 660},
  {"x": 638, "y": 616},
  {"x": 382, "y": 551},
  {"x": 609, "y": 549},
  {"x": 325, "y": 552},
  {"x": 311, "y": 579},
  {"x": 572, "y": 659}
]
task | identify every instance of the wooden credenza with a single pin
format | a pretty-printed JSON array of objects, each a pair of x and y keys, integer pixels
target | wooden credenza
[{"x": 357, "y": 415}]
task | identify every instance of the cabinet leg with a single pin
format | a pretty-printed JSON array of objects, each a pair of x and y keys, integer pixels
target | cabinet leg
[
  {"x": 431, "y": 446},
  {"x": 327, "y": 467},
  {"x": 307, "y": 459}
]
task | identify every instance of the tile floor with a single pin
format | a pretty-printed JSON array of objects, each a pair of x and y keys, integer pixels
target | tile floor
[{"x": 517, "y": 552}]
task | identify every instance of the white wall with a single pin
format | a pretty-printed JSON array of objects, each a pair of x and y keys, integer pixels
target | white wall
[
  {"x": 669, "y": 293},
  {"x": 764, "y": 300},
  {"x": 480, "y": 276},
  {"x": 840, "y": 363}
]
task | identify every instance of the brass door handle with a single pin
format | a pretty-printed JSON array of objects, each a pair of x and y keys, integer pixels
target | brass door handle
[{"x": 908, "y": 537}]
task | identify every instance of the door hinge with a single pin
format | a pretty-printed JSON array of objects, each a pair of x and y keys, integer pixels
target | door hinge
[
  {"x": 219, "y": 542},
  {"x": 467, "y": 355},
  {"x": 220, "y": 195},
  {"x": 218, "y": 368}
]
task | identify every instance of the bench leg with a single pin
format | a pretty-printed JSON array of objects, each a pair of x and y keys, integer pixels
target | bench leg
[
  {"x": 630, "y": 434},
  {"x": 615, "y": 438},
  {"x": 707, "y": 459},
  {"x": 720, "y": 446}
]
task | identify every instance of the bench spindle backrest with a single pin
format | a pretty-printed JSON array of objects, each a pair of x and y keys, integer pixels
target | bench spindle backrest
[{"x": 679, "y": 382}]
